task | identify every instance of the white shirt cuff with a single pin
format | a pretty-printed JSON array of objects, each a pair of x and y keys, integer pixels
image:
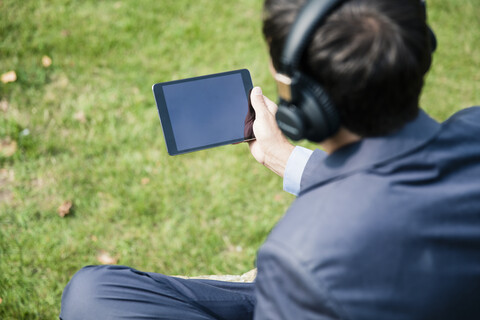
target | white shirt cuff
[{"x": 294, "y": 170}]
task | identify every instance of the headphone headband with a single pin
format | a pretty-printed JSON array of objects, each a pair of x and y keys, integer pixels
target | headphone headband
[{"x": 311, "y": 16}]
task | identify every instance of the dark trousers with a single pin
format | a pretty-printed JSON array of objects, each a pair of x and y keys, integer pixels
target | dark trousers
[{"x": 118, "y": 292}]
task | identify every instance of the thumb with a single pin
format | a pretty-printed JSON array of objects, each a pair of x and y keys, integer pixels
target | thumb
[{"x": 258, "y": 101}]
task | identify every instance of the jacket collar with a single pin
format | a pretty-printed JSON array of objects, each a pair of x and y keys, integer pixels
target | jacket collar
[{"x": 368, "y": 152}]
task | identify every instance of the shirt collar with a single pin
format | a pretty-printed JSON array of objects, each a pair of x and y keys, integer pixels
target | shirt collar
[{"x": 369, "y": 152}]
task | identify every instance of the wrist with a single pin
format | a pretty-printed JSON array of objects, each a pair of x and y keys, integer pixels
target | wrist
[{"x": 277, "y": 159}]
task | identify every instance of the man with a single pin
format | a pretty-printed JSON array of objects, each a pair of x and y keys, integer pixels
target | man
[{"x": 387, "y": 222}]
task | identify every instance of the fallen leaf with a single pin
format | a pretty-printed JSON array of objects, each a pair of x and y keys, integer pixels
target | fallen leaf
[
  {"x": 4, "y": 105},
  {"x": 46, "y": 61},
  {"x": 8, "y": 147},
  {"x": 80, "y": 116},
  {"x": 65, "y": 208},
  {"x": 145, "y": 181},
  {"x": 1, "y": 300},
  {"x": 10, "y": 76},
  {"x": 7, "y": 175},
  {"x": 65, "y": 33},
  {"x": 6, "y": 196},
  {"x": 105, "y": 258},
  {"x": 94, "y": 238},
  {"x": 39, "y": 182}
]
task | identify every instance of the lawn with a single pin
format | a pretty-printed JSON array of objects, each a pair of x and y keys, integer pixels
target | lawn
[{"x": 79, "y": 124}]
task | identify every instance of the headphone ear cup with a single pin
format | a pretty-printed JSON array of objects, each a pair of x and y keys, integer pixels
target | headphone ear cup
[
  {"x": 290, "y": 120},
  {"x": 321, "y": 116}
]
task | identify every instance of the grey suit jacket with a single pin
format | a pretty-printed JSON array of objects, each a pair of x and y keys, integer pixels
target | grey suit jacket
[{"x": 386, "y": 228}]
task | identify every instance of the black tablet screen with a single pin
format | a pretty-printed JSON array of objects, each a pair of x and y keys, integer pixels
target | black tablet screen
[{"x": 206, "y": 111}]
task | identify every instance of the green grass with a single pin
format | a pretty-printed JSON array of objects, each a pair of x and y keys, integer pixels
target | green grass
[{"x": 200, "y": 213}]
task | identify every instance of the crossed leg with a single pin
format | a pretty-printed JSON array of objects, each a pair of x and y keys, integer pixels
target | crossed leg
[{"x": 119, "y": 292}]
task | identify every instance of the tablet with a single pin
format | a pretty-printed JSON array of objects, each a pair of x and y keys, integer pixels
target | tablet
[{"x": 205, "y": 112}]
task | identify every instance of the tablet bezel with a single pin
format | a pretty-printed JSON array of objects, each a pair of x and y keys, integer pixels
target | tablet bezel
[{"x": 165, "y": 118}]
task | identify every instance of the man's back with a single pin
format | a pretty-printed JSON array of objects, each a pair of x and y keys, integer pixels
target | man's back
[{"x": 386, "y": 228}]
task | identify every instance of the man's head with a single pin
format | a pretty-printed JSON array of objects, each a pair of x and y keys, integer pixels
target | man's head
[{"x": 369, "y": 55}]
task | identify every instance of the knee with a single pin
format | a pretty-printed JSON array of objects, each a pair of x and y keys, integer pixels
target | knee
[{"x": 82, "y": 296}]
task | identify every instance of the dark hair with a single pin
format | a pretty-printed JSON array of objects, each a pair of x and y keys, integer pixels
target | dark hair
[{"x": 369, "y": 55}]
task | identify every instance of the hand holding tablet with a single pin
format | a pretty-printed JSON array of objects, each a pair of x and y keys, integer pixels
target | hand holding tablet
[{"x": 205, "y": 112}]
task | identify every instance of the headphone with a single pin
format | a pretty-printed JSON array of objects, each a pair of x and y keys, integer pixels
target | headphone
[{"x": 305, "y": 111}]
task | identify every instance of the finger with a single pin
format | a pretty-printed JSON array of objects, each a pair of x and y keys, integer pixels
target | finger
[
  {"x": 272, "y": 106},
  {"x": 258, "y": 101}
]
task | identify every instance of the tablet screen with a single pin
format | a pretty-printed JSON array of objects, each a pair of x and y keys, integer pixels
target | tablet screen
[{"x": 204, "y": 112}]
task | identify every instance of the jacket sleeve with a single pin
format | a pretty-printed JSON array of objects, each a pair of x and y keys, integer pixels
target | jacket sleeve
[{"x": 287, "y": 290}]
